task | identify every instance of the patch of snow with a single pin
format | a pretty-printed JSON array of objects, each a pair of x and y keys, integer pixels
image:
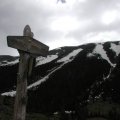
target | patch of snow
[
  {"x": 68, "y": 112},
  {"x": 12, "y": 93},
  {"x": 90, "y": 55},
  {"x": 45, "y": 78},
  {"x": 70, "y": 56},
  {"x": 55, "y": 113},
  {"x": 58, "y": 48},
  {"x": 109, "y": 74},
  {"x": 75, "y": 52},
  {"x": 115, "y": 48},
  {"x": 44, "y": 60},
  {"x": 38, "y": 82},
  {"x": 9, "y": 63},
  {"x": 99, "y": 50}
]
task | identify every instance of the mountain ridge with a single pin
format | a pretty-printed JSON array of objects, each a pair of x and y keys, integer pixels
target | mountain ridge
[{"x": 70, "y": 76}]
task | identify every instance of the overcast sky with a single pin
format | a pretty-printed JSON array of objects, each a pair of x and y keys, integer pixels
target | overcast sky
[{"x": 55, "y": 24}]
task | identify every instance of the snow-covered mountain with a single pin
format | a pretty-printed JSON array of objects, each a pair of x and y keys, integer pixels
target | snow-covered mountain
[
  {"x": 68, "y": 76},
  {"x": 8, "y": 60}
]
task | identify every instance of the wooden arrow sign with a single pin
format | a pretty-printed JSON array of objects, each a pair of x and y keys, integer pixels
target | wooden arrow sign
[
  {"x": 27, "y": 44},
  {"x": 27, "y": 47}
]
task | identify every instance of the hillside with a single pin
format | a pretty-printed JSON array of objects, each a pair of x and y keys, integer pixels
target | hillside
[{"x": 69, "y": 79}]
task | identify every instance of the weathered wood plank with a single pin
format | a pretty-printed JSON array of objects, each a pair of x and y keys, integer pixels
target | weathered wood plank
[
  {"x": 27, "y": 44},
  {"x": 27, "y": 47},
  {"x": 21, "y": 91}
]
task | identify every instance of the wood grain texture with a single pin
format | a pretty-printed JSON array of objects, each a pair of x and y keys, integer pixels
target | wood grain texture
[
  {"x": 27, "y": 44},
  {"x": 21, "y": 91}
]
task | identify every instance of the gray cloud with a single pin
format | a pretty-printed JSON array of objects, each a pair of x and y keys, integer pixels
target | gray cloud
[
  {"x": 92, "y": 11},
  {"x": 14, "y": 15},
  {"x": 93, "y": 8}
]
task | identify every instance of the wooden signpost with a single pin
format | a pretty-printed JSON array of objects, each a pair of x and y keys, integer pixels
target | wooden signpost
[{"x": 28, "y": 48}]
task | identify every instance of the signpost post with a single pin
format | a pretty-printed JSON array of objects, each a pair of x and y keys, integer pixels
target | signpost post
[{"x": 28, "y": 48}]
